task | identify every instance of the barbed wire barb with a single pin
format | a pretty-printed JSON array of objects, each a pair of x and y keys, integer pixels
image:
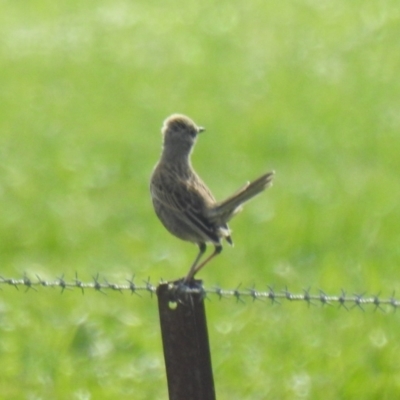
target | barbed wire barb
[
  {"x": 237, "y": 294},
  {"x": 97, "y": 284},
  {"x": 287, "y": 294},
  {"x": 132, "y": 286},
  {"x": 9, "y": 282},
  {"x": 324, "y": 298},
  {"x": 254, "y": 294},
  {"x": 28, "y": 283},
  {"x": 79, "y": 283},
  {"x": 377, "y": 303},
  {"x": 272, "y": 295},
  {"x": 149, "y": 287},
  {"x": 342, "y": 300},
  {"x": 358, "y": 301},
  {"x": 307, "y": 297},
  {"x": 63, "y": 284},
  {"x": 219, "y": 292}
]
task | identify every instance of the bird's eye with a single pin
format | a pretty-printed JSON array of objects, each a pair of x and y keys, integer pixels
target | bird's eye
[{"x": 192, "y": 132}]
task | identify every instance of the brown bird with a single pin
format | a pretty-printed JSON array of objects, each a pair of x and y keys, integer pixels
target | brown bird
[{"x": 183, "y": 202}]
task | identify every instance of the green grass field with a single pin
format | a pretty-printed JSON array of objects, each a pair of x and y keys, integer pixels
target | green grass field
[{"x": 308, "y": 88}]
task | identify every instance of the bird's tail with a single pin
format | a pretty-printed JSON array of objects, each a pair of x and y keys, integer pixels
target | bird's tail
[{"x": 225, "y": 210}]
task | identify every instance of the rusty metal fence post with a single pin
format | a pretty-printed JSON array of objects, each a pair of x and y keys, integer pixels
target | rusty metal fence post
[{"x": 185, "y": 342}]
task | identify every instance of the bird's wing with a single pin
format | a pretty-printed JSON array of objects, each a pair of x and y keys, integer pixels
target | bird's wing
[{"x": 189, "y": 201}]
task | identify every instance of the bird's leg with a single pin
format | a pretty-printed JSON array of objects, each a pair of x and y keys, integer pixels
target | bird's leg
[
  {"x": 192, "y": 271},
  {"x": 196, "y": 268}
]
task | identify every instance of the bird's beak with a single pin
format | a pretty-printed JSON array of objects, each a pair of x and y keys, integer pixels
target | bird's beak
[{"x": 200, "y": 129}]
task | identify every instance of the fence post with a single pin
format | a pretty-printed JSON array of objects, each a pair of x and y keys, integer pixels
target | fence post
[{"x": 185, "y": 342}]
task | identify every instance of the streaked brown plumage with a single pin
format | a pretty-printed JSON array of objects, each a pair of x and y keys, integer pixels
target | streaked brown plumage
[{"x": 182, "y": 201}]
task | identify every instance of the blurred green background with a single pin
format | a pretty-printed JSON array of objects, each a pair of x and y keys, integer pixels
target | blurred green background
[{"x": 309, "y": 88}]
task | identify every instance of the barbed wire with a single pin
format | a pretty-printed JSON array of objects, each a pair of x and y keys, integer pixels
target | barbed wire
[{"x": 179, "y": 290}]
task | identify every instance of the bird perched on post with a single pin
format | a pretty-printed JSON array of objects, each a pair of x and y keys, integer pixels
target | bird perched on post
[{"x": 183, "y": 202}]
